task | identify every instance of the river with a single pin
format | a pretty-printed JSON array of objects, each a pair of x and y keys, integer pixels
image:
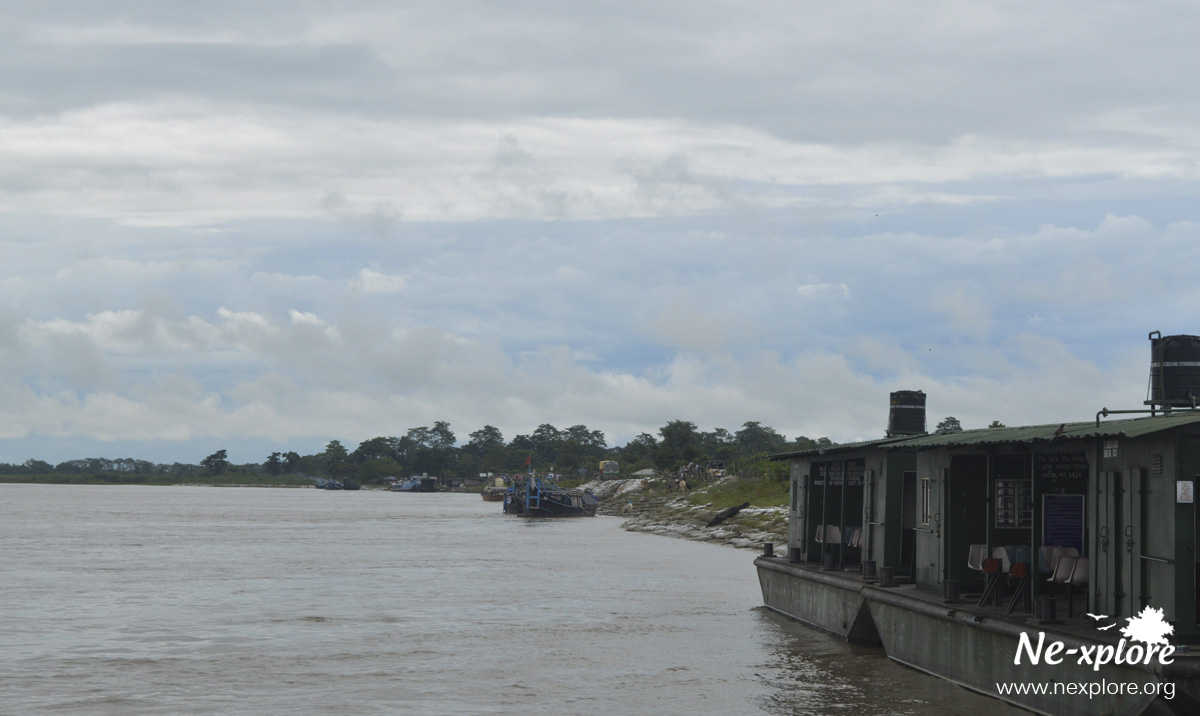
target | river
[{"x": 199, "y": 600}]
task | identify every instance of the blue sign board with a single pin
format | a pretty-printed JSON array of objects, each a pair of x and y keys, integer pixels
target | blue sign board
[{"x": 1063, "y": 521}]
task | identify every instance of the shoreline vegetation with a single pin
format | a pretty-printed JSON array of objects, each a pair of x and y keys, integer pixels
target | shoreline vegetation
[
  {"x": 725, "y": 471},
  {"x": 574, "y": 452}
]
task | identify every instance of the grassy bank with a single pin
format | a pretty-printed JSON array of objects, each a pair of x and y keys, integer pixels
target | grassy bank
[
  {"x": 652, "y": 507},
  {"x": 758, "y": 491}
]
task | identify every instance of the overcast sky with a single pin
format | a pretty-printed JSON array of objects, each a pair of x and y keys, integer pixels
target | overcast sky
[{"x": 261, "y": 226}]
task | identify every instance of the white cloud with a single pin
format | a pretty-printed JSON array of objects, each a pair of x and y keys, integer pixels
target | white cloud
[
  {"x": 189, "y": 162},
  {"x": 370, "y": 281},
  {"x": 348, "y": 221},
  {"x": 818, "y": 290}
]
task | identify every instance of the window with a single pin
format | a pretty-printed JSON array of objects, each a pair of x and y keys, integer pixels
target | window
[{"x": 1014, "y": 504}]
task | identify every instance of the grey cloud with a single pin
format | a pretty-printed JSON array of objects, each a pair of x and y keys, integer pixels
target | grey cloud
[
  {"x": 220, "y": 219},
  {"x": 832, "y": 73}
]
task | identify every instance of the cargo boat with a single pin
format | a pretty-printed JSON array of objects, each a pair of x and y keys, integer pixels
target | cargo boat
[
  {"x": 534, "y": 496},
  {"x": 495, "y": 491}
]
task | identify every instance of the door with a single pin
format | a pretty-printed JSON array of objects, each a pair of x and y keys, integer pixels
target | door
[
  {"x": 798, "y": 523},
  {"x": 872, "y": 525},
  {"x": 965, "y": 516},
  {"x": 908, "y": 522},
  {"x": 1134, "y": 540},
  {"x": 1118, "y": 585},
  {"x": 1104, "y": 557}
]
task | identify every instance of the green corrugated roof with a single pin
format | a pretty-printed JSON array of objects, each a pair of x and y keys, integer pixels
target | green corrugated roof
[
  {"x": 1129, "y": 427},
  {"x": 840, "y": 447}
]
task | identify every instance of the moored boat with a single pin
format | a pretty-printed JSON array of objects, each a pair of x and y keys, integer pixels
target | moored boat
[
  {"x": 416, "y": 483},
  {"x": 495, "y": 491},
  {"x": 533, "y": 496}
]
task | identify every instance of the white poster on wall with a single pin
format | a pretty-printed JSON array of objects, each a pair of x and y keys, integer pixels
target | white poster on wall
[{"x": 1183, "y": 491}]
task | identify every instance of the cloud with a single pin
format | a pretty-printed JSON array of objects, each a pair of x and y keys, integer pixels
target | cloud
[
  {"x": 344, "y": 221},
  {"x": 188, "y": 162},
  {"x": 370, "y": 281},
  {"x": 819, "y": 290}
]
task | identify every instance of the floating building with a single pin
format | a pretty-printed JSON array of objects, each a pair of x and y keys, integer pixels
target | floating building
[{"x": 957, "y": 551}]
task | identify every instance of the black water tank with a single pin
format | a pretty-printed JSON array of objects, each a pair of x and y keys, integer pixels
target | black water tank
[
  {"x": 1174, "y": 370},
  {"x": 907, "y": 415}
]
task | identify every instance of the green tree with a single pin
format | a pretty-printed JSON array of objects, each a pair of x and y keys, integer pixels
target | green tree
[
  {"x": 639, "y": 452},
  {"x": 374, "y": 449},
  {"x": 441, "y": 435},
  {"x": 429, "y": 450},
  {"x": 484, "y": 452},
  {"x": 37, "y": 467},
  {"x": 680, "y": 444},
  {"x": 274, "y": 463},
  {"x": 755, "y": 439},
  {"x": 546, "y": 441},
  {"x": 445, "y": 454},
  {"x": 485, "y": 439},
  {"x": 335, "y": 459},
  {"x": 579, "y": 448},
  {"x": 949, "y": 425},
  {"x": 216, "y": 463},
  {"x": 520, "y": 449}
]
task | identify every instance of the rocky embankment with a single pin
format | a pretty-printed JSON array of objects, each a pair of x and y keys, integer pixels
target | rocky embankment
[{"x": 652, "y": 508}]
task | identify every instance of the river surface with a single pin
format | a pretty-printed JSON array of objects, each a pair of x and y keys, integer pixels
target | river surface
[{"x": 198, "y": 600}]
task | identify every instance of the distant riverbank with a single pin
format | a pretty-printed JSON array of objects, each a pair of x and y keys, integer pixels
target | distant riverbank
[
  {"x": 223, "y": 480},
  {"x": 647, "y": 506}
]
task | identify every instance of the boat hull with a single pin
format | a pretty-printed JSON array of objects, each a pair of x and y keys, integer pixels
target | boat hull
[
  {"x": 968, "y": 646},
  {"x": 540, "y": 500}
]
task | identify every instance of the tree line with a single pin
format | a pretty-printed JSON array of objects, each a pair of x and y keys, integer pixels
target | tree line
[{"x": 436, "y": 451}]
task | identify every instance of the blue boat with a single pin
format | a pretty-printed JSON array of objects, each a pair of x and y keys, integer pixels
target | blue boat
[
  {"x": 533, "y": 496},
  {"x": 416, "y": 483}
]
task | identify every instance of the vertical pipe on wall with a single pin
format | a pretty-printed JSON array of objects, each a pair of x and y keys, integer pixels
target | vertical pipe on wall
[
  {"x": 824, "y": 506},
  {"x": 1034, "y": 523},
  {"x": 842, "y": 514}
]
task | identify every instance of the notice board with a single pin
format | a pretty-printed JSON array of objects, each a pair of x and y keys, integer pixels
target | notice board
[{"x": 1063, "y": 521}]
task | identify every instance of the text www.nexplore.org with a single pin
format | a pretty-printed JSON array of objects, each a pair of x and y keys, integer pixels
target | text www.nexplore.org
[{"x": 1090, "y": 689}]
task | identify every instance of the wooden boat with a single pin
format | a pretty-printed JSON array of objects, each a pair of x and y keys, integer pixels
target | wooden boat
[
  {"x": 496, "y": 491},
  {"x": 533, "y": 496}
]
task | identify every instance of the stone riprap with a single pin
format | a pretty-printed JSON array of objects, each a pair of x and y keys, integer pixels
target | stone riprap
[{"x": 657, "y": 511}]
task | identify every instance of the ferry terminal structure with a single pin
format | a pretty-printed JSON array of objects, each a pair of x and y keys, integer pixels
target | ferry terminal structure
[{"x": 941, "y": 548}]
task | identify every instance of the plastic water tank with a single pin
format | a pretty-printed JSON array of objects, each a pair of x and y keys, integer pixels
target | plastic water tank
[
  {"x": 1174, "y": 370},
  {"x": 907, "y": 414}
]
